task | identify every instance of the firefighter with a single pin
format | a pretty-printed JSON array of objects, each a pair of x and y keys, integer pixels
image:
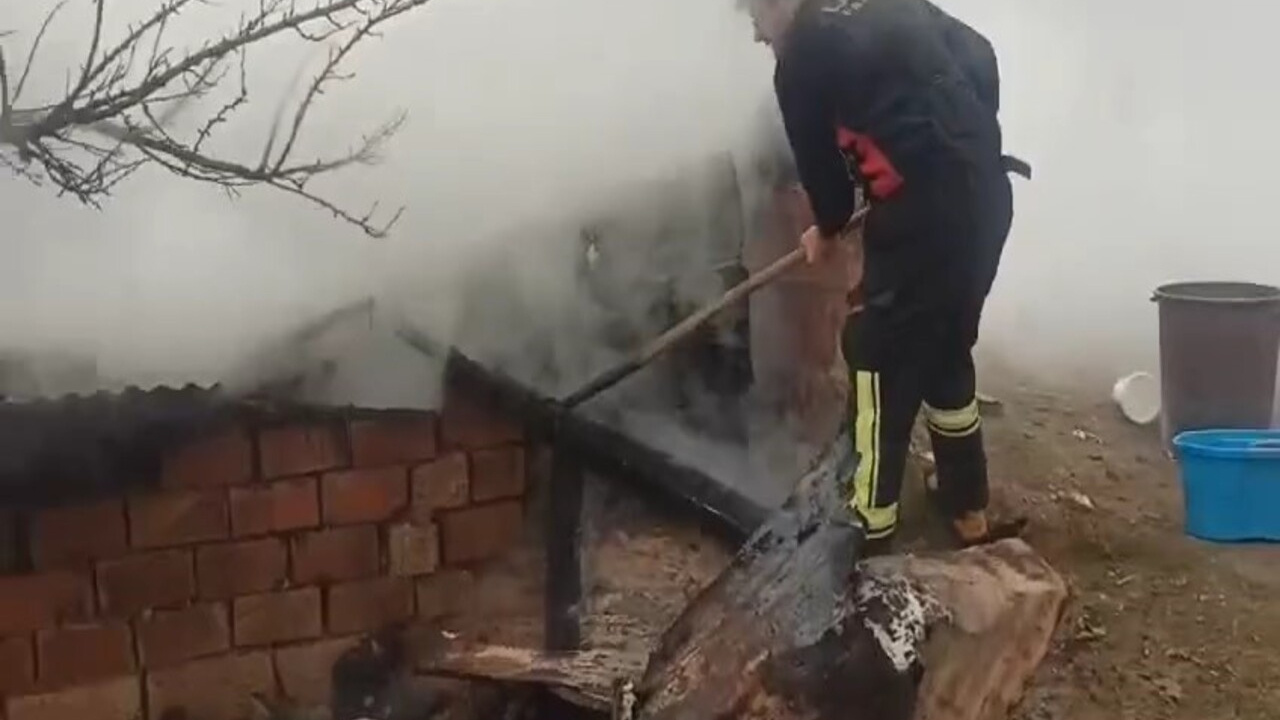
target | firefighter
[{"x": 874, "y": 96}]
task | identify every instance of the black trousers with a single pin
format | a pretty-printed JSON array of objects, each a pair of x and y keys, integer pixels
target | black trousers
[{"x": 931, "y": 257}]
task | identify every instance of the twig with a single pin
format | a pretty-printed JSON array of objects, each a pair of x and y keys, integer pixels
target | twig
[
  {"x": 328, "y": 74},
  {"x": 86, "y": 72},
  {"x": 128, "y": 93},
  {"x": 4, "y": 90},
  {"x": 35, "y": 47}
]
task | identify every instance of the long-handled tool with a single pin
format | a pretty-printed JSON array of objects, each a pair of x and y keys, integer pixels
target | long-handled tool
[{"x": 685, "y": 328}]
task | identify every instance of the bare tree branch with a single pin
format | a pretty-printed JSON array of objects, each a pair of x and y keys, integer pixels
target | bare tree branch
[
  {"x": 4, "y": 88},
  {"x": 35, "y": 47},
  {"x": 117, "y": 112},
  {"x": 99, "y": 10}
]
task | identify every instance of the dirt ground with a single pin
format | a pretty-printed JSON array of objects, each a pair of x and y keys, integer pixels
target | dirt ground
[{"x": 1160, "y": 626}]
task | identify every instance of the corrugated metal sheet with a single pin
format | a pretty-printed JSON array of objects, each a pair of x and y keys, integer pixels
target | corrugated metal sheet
[
  {"x": 79, "y": 446},
  {"x": 57, "y": 446}
]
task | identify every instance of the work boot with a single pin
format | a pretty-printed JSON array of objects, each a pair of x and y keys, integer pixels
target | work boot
[{"x": 973, "y": 529}]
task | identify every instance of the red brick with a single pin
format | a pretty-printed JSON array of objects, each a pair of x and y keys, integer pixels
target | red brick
[
  {"x": 393, "y": 441},
  {"x": 77, "y": 655},
  {"x": 335, "y": 555},
  {"x": 300, "y": 449},
  {"x": 213, "y": 461},
  {"x": 240, "y": 568},
  {"x": 43, "y": 600},
  {"x": 306, "y": 670},
  {"x": 481, "y": 533},
  {"x": 17, "y": 666},
  {"x": 358, "y": 496},
  {"x": 140, "y": 582},
  {"x": 178, "y": 518},
  {"x": 467, "y": 425},
  {"x": 413, "y": 549},
  {"x": 448, "y": 592},
  {"x": 74, "y": 536},
  {"x": 443, "y": 484},
  {"x": 169, "y": 637},
  {"x": 217, "y": 688},
  {"x": 277, "y": 507},
  {"x": 369, "y": 605},
  {"x": 497, "y": 474},
  {"x": 277, "y": 617},
  {"x": 118, "y": 699}
]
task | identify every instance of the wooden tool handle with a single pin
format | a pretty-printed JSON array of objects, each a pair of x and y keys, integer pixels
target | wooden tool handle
[
  {"x": 686, "y": 327},
  {"x": 683, "y": 329},
  {"x": 737, "y": 293}
]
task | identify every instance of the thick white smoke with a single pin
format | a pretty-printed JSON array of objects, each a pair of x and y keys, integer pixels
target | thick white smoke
[
  {"x": 524, "y": 119},
  {"x": 1152, "y": 140},
  {"x": 1149, "y": 126}
]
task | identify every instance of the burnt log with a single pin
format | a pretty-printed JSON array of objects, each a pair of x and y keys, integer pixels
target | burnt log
[
  {"x": 991, "y": 614},
  {"x": 795, "y": 628},
  {"x": 949, "y": 637},
  {"x": 779, "y": 633}
]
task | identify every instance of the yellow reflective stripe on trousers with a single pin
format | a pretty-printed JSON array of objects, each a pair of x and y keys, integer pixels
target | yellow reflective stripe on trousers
[
  {"x": 866, "y": 442},
  {"x": 881, "y": 522},
  {"x": 954, "y": 423}
]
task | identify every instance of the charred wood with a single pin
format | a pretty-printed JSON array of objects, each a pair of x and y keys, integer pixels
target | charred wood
[
  {"x": 564, "y": 554},
  {"x": 599, "y": 447},
  {"x": 798, "y": 629}
]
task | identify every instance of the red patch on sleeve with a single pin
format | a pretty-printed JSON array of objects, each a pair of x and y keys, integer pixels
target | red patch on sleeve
[{"x": 883, "y": 179}]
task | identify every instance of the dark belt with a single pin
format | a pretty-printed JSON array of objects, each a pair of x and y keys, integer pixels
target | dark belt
[{"x": 1017, "y": 166}]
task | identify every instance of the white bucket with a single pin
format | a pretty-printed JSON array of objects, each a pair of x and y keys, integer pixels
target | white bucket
[{"x": 1138, "y": 396}]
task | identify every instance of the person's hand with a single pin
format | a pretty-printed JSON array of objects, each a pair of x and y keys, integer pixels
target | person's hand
[{"x": 817, "y": 249}]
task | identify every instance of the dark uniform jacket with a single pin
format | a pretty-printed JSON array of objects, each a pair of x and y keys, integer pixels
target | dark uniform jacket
[
  {"x": 893, "y": 94},
  {"x": 974, "y": 53}
]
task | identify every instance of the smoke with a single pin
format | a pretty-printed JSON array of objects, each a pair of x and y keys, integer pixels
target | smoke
[
  {"x": 528, "y": 124},
  {"x": 1152, "y": 146},
  {"x": 1147, "y": 126},
  {"x": 524, "y": 120}
]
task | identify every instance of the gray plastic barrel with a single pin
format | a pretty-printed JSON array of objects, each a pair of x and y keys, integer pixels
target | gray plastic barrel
[{"x": 1219, "y": 343}]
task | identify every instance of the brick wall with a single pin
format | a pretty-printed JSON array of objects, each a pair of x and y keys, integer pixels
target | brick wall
[{"x": 264, "y": 551}]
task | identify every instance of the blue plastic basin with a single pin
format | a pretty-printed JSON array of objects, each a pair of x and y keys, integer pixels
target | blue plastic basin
[{"x": 1231, "y": 484}]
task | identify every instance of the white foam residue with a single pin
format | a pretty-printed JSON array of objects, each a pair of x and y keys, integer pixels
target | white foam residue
[{"x": 902, "y": 632}]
